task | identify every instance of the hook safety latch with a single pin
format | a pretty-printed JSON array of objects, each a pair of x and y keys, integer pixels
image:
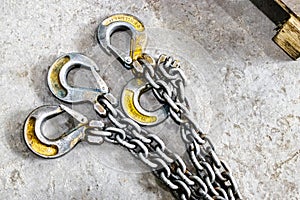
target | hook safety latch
[
  {"x": 59, "y": 86},
  {"x": 119, "y": 22},
  {"x": 52, "y": 148}
]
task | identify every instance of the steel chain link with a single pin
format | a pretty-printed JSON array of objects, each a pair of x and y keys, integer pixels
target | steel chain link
[
  {"x": 168, "y": 83},
  {"x": 212, "y": 178},
  {"x": 151, "y": 150}
]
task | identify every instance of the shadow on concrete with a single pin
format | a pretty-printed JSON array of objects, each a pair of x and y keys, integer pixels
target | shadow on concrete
[
  {"x": 15, "y": 122},
  {"x": 272, "y": 10},
  {"x": 257, "y": 25},
  {"x": 38, "y": 80},
  {"x": 14, "y": 134}
]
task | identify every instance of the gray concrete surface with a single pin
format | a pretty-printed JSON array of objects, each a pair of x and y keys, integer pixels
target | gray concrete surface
[{"x": 248, "y": 95}]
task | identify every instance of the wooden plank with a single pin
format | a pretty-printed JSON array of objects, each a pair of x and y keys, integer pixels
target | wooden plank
[
  {"x": 288, "y": 37},
  {"x": 288, "y": 25}
]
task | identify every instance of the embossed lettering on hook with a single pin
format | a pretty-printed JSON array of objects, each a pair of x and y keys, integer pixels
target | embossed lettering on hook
[
  {"x": 130, "y": 102},
  {"x": 120, "y": 22}
]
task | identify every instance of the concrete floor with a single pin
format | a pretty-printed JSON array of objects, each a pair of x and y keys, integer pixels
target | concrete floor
[{"x": 247, "y": 93}]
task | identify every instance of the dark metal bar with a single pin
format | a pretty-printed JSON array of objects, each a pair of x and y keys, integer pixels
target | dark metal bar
[{"x": 273, "y": 10}]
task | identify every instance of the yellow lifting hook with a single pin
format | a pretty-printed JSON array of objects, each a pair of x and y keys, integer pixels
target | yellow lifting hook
[
  {"x": 52, "y": 148},
  {"x": 135, "y": 88},
  {"x": 118, "y": 22}
]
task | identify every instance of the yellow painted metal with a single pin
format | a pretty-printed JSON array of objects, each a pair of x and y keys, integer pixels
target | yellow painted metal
[
  {"x": 34, "y": 142},
  {"x": 288, "y": 37},
  {"x": 125, "y": 18},
  {"x": 58, "y": 89},
  {"x": 133, "y": 112},
  {"x": 138, "y": 43},
  {"x": 137, "y": 46}
]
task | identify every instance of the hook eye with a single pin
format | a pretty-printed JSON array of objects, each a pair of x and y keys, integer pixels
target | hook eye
[
  {"x": 118, "y": 22},
  {"x": 58, "y": 84},
  {"x": 52, "y": 148},
  {"x": 130, "y": 100}
]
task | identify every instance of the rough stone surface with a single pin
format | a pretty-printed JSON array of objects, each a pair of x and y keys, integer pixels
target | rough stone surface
[{"x": 250, "y": 108}]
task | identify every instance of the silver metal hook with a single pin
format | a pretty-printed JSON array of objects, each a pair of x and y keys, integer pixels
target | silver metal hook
[
  {"x": 52, "y": 148},
  {"x": 118, "y": 22},
  {"x": 58, "y": 84}
]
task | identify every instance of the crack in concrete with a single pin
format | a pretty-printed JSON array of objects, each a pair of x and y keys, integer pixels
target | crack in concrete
[{"x": 279, "y": 166}]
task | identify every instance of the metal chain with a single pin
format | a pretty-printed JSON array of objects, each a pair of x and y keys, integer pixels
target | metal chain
[
  {"x": 212, "y": 178},
  {"x": 151, "y": 150},
  {"x": 168, "y": 82}
]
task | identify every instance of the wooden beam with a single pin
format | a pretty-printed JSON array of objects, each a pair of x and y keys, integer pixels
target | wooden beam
[{"x": 287, "y": 22}]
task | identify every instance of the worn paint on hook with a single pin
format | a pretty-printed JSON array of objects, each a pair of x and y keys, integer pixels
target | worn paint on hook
[
  {"x": 133, "y": 112},
  {"x": 125, "y": 18},
  {"x": 137, "y": 47},
  {"x": 35, "y": 144},
  {"x": 58, "y": 89}
]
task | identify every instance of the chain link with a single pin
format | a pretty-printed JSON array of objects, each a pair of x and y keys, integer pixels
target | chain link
[
  {"x": 151, "y": 150},
  {"x": 211, "y": 177}
]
